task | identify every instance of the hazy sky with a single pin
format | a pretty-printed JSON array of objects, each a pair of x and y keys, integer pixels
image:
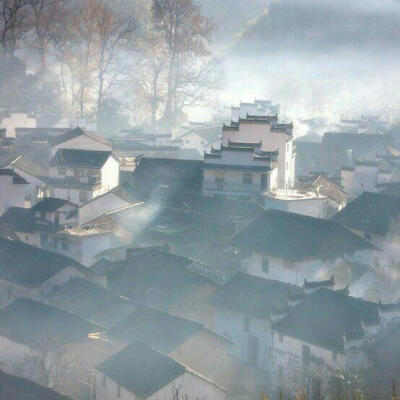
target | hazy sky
[{"x": 315, "y": 57}]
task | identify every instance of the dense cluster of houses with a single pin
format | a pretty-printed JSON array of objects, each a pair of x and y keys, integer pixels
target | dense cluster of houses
[{"x": 130, "y": 273}]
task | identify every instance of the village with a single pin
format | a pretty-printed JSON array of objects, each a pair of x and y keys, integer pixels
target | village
[
  {"x": 199, "y": 200},
  {"x": 243, "y": 271}
]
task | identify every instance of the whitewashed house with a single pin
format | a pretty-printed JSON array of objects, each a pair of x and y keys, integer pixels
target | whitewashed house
[
  {"x": 28, "y": 271},
  {"x": 79, "y": 139},
  {"x": 53, "y": 225},
  {"x": 200, "y": 138},
  {"x": 35, "y": 174},
  {"x": 324, "y": 331},
  {"x": 243, "y": 313},
  {"x": 13, "y": 189},
  {"x": 68, "y": 345},
  {"x": 364, "y": 176},
  {"x": 292, "y": 247},
  {"x": 140, "y": 372},
  {"x": 81, "y": 175}
]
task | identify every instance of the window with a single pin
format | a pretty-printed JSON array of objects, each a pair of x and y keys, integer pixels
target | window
[
  {"x": 220, "y": 180},
  {"x": 61, "y": 171},
  {"x": 265, "y": 265},
  {"x": 83, "y": 197},
  {"x": 246, "y": 324},
  {"x": 247, "y": 179},
  {"x": 104, "y": 381},
  {"x": 26, "y": 238},
  {"x": 280, "y": 338},
  {"x": 119, "y": 391},
  {"x": 334, "y": 356}
]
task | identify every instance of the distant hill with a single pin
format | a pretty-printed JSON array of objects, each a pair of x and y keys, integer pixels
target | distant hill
[{"x": 325, "y": 26}]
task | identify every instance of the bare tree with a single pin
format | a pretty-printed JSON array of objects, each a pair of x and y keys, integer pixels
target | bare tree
[
  {"x": 46, "y": 15},
  {"x": 112, "y": 34},
  {"x": 190, "y": 73},
  {"x": 13, "y": 24}
]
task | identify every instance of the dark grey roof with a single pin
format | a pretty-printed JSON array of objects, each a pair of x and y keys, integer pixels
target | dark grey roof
[
  {"x": 141, "y": 370},
  {"x": 91, "y": 301},
  {"x": 157, "y": 329},
  {"x": 36, "y": 324},
  {"x": 17, "y": 388},
  {"x": 30, "y": 266},
  {"x": 30, "y": 166},
  {"x": 298, "y": 237},
  {"x": 180, "y": 176},
  {"x": 370, "y": 212},
  {"x": 73, "y": 133},
  {"x": 153, "y": 277},
  {"x": 23, "y": 220},
  {"x": 254, "y": 296},
  {"x": 80, "y": 158},
  {"x": 326, "y": 317},
  {"x": 50, "y": 204},
  {"x": 17, "y": 179}
]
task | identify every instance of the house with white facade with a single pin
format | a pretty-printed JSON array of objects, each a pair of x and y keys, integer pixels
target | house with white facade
[
  {"x": 68, "y": 345},
  {"x": 35, "y": 174},
  {"x": 53, "y": 225},
  {"x": 244, "y": 308},
  {"x": 81, "y": 175},
  {"x": 256, "y": 160},
  {"x": 365, "y": 176},
  {"x": 177, "y": 338},
  {"x": 140, "y": 372},
  {"x": 375, "y": 217},
  {"x": 200, "y": 138},
  {"x": 13, "y": 189},
  {"x": 292, "y": 247},
  {"x": 323, "y": 331},
  {"x": 28, "y": 271}
]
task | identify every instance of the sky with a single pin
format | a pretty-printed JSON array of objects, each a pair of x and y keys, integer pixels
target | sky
[{"x": 316, "y": 58}]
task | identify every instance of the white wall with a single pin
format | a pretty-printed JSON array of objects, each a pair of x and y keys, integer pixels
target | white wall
[
  {"x": 11, "y": 195},
  {"x": 110, "y": 175},
  {"x": 17, "y": 120},
  {"x": 312, "y": 207}
]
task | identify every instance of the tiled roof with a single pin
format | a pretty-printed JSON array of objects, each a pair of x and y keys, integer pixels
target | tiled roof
[
  {"x": 73, "y": 133},
  {"x": 30, "y": 266},
  {"x": 36, "y": 324},
  {"x": 141, "y": 370},
  {"x": 91, "y": 301},
  {"x": 296, "y": 237},
  {"x": 17, "y": 388},
  {"x": 370, "y": 212},
  {"x": 157, "y": 329},
  {"x": 80, "y": 158},
  {"x": 327, "y": 318},
  {"x": 50, "y": 204},
  {"x": 254, "y": 296}
]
